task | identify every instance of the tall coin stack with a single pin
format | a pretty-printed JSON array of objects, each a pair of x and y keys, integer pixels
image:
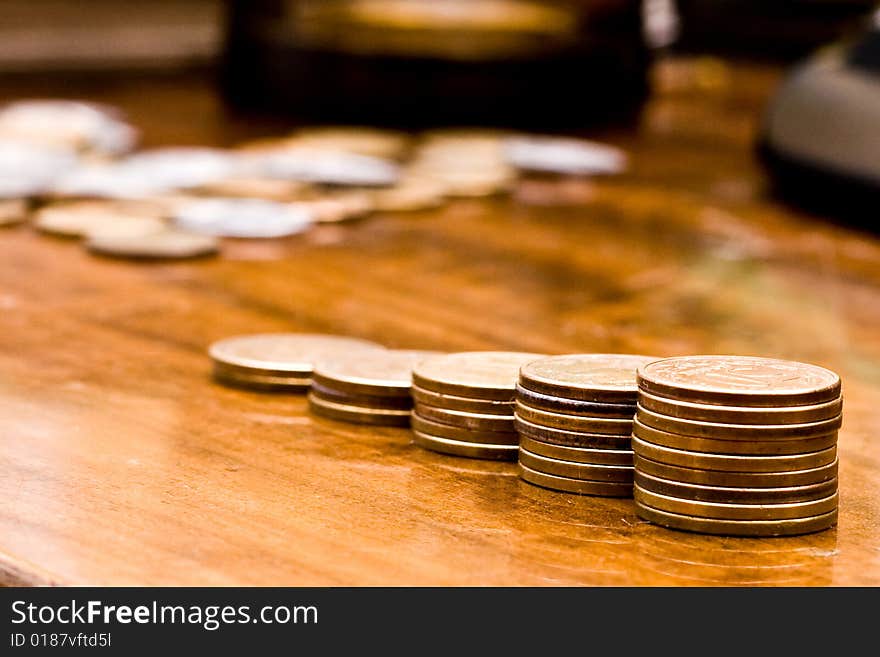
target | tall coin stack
[
  {"x": 575, "y": 417},
  {"x": 737, "y": 445},
  {"x": 369, "y": 388},
  {"x": 464, "y": 403}
]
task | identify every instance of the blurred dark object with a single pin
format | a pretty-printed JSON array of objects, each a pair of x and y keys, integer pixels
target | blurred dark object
[
  {"x": 563, "y": 63},
  {"x": 775, "y": 29},
  {"x": 822, "y": 132}
]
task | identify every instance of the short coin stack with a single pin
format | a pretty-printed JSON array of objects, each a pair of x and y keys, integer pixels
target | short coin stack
[
  {"x": 737, "y": 445},
  {"x": 371, "y": 387},
  {"x": 279, "y": 361},
  {"x": 575, "y": 415},
  {"x": 464, "y": 403}
]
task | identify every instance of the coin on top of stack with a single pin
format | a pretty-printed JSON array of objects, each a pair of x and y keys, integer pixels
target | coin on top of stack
[
  {"x": 279, "y": 361},
  {"x": 372, "y": 387},
  {"x": 737, "y": 445},
  {"x": 464, "y": 403},
  {"x": 574, "y": 415}
]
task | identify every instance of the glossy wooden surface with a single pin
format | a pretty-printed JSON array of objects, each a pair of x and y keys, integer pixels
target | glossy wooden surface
[{"x": 122, "y": 463}]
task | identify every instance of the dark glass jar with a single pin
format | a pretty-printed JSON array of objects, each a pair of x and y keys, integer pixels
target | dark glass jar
[{"x": 560, "y": 63}]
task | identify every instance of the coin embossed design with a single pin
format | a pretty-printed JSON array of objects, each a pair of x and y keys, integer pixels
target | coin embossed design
[
  {"x": 739, "y": 381},
  {"x": 737, "y": 527},
  {"x": 586, "y": 377},
  {"x": 476, "y": 374},
  {"x": 577, "y": 486}
]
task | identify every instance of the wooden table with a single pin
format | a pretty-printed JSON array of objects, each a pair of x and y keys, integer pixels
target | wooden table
[{"x": 122, "y": 463}]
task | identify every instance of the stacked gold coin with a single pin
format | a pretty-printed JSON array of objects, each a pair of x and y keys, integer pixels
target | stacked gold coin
[
  {"x": 737, "y": 445},
  {"x": 372, "y": 387},
  {"x": 574, "y": 415},
  {"x": 464, "y": 403},
  {"x": 279, "y": 361}
]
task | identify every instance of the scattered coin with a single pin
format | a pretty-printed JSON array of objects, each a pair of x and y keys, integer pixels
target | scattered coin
[
  {"x": 767, "y": 447},
  {"x": 243, "y": 218},
  {"x": 597, "y": 378},
  {"x": 705, "y": 477},
  {"x": 464, "y": 448},
  {"x": 454, "y": 403},
  {"x": 357, "y": 414},
  {"x": 732, "y": 462},
  {"x": 12, "y": 211},
  {"x": 766, "y": 415},
  {"x": 720, "y": 511},
  {"x": 360, "y": 140},
  {"x": 563, "y": 155},
  {"x": 476, "y": 374},
  {"x": 574, "y": 470},
  {"x": 578, "y": 486},
  {"x": 577, "y": 454},
  {"x": 740, "y": 381},
  {"x": 735, "y": 495},
  {"x": 737, "y": 527},
  {"x": 160, "y": 244},
  {"x": 612, "y": 426}
]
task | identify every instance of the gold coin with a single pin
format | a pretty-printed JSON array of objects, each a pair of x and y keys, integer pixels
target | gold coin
[
  {"x": 411, "y": 194},
  {"x": 351, "y": 139},
  {"x": 265, "y": 188},
  {"x": 453, "y": 403},
  {"x": 81, "y": 219},
  {"x": 469, "y": 421},
  {"x": 753, "y": 528},
  {"x": 372, "y": 372},
  {"x": 166, "y": 243},
  {"x": 578, "y": 423},
  {"x": 729, "y": 495},
  {"x": 461, "y": 434},
  {"x": 737, "y": 479},
  {"x": 622, "y": 474},
  {"x": 739, "y": 381},
  {"x": 577, "y": 486},
  {"x": 602, "y": 378},
  {"x": 750, "y": 432},
  {"x": 732, "y": 462},
  {"x": 739, "y": 511},
  {"x": 464, "y": 448},
  {"x": 475, "y": 374},
  {"x": 257, "y": 381},
  {"x": 577, "y": 454},
  {"x": 573, "y": 406},
  {"x": 742, "y": 447},
  {"x": 740, "y": 414},
  {"x": 284, "y": 354},
  {"x": 386, "y": 402},
  {"x": 357, "y": 414},
  {"x": 571, "y": 438}
]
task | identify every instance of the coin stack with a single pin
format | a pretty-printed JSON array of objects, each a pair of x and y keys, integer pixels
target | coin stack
[
  {"x": 737, "y": 445},
  {"x": 574, "y": 415},
  {"x": 279, "y": 361},
  {"x": 464, "y": 403},
  {"x": 371, "y": 388}
]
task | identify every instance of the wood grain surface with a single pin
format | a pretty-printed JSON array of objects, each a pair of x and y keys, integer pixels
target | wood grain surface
[{"x": 122, "y": 463}]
